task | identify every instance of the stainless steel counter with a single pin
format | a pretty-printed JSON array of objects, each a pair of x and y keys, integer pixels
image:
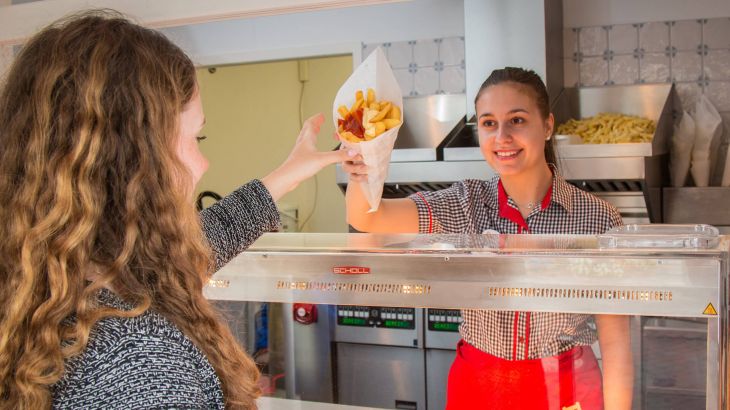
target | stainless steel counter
[
  {"x": 273, "y": 403},
  {"x": 674, "y": 285}
]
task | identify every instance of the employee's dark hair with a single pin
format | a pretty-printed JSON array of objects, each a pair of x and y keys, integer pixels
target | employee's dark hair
[{"x": 529, "y": 80}]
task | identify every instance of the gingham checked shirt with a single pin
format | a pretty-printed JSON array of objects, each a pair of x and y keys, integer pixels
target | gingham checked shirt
[{"x": 474, "y": 206}]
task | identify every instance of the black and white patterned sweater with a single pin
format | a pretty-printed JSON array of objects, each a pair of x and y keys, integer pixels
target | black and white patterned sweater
[{"x": 147, "y": 362}]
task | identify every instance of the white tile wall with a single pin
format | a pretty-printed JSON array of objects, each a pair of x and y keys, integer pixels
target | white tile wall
[
  {"x": 693, "y": 54},
  {"x": 400, "y": 54},
  {"x": 623, "y": 38},
  {"x": 453, "y": 80},
  {"x": 654, "y": 36},
  {"x": 623, "y": 69},
  {"x": 451, "y": 51},
  {"x": 426, "y": 81},
  {"x": 719, "y": 94},
  {"x": 592, "y": 41},
  {"x": 593, "y": 71},
  {"x": 426, "y": 66},
  {"x": 686, "y": 66},
  {"x": 686, "y": 35},
  {"x": 654, "y": 68},
  {"x": 426, "y": 52},
  {"x": 716, "y": 64},
  {"x": 717, "y": 33},
  {"x": 405, "y": 81}
]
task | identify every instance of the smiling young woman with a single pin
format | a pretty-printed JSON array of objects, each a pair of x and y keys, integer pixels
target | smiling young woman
[{"x": 510, "y": 360}]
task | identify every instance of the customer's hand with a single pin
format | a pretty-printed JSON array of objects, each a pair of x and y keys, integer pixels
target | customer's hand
[{"x": 304, "y": 160}]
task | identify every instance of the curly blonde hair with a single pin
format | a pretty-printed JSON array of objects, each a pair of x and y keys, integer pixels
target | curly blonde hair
[{"x": 90, "y": 187}]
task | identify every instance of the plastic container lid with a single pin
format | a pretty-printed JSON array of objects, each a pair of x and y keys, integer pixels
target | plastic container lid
[{"x": 690, "y": 236}]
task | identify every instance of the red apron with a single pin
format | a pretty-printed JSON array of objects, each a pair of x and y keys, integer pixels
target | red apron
[{"x": 478, "y": 380}]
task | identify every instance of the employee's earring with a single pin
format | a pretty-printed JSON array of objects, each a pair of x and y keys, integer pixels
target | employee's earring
[{"x": 548, "y": 138}]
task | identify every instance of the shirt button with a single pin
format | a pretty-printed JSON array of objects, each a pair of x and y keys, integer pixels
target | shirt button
[{"x": 521, "y": 339}]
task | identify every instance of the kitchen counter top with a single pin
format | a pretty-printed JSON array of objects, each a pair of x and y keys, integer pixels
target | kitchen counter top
[{"x": 273, "y": 403}]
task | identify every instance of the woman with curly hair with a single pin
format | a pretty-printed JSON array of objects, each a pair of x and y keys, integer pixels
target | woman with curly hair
[{"x": 103, "y": 258}]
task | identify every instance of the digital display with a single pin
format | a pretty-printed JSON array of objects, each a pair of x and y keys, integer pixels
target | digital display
[
  {"x": 401, "y": 324},
  {"x": 353, "y": 321},
  {"x": 448, "y": 327},
  {"x": 376, "y": 317}
]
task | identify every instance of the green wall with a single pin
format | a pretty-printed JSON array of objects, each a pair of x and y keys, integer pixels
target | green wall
[{"x": 252, "y": 114}]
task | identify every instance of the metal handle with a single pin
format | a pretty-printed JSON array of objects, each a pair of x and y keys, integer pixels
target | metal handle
[{"x": 406, "y": 405}]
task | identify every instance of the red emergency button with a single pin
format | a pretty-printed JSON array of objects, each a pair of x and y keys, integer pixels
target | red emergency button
[{"x": 305, "y": 313}]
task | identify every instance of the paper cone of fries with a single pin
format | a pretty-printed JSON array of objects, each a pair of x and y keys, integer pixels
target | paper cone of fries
[{"x": 374, "y": 73}]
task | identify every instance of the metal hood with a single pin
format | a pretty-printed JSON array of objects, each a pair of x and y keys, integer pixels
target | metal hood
[{"x": 436, "y": 146}]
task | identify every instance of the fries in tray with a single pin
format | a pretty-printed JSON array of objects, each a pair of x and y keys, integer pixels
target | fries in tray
[
  {"x": 610, "y": 128},
  {"x": 366, "y": 118}
]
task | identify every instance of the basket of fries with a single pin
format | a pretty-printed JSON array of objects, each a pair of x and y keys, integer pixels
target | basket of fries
[
  {"x": 614, "y": 121},
  {"x": 367, "y": 112},
  {"x": 610, "y": 128}
]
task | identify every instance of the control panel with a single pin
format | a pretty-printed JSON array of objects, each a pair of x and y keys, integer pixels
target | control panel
[
  {"x": 443, "y": 320},
  {"x": 373, "y": 316}
]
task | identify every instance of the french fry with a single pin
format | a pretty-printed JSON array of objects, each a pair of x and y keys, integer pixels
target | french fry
[
  {"x": 610, "y": 128},
  {"x": 356, "y": 106},
  {"x": 394, "y": 113},
  {"x": 348, "y": 136},
  {"x": 342, "y": 109},
  {"x": 390, "y": 123},
  {"x": 367, "y": 118},
  {"x": 383, "y": 112}
]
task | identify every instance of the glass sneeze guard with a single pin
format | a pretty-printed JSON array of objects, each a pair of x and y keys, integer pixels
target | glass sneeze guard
[{"x": 665, "y": 280}]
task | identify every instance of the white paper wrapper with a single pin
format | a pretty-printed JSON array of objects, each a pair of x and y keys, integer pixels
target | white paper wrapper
[
  {"x": 679, "y": 158},
  {"x": 375, "y": 73},
  {"x": 707, "y": 136}
]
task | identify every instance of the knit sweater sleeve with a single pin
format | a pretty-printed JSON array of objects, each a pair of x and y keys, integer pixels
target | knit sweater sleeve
[
  {"x": 139, "y": 370},
  {"x": 236, "y": 221}
]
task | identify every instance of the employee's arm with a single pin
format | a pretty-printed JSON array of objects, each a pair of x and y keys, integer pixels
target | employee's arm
[
  {"x": 618, "y": 367},
  {"x": 393, "y": 215}
]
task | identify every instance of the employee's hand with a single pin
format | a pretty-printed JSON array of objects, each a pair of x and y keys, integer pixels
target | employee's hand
[
  {"x": 356, "y": 168},
  {"x": 304, "y": 160}
]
